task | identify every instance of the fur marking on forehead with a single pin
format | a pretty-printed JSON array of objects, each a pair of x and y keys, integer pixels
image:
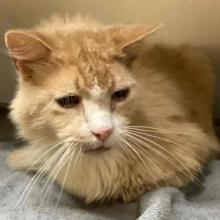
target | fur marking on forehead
[
  {"x": 94, "y": 72},
  {"x": 96, "y": 90}
]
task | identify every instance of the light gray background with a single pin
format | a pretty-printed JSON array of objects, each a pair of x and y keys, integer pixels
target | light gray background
[{"x": 188, "y": 21}]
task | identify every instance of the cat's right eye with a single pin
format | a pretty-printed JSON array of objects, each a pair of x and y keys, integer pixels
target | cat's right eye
[
  {"x": 120, "y": 95},
  {"x": 68, "y": 101}
]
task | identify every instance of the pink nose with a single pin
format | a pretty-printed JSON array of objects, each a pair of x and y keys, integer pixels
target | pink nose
[{"x": 102, "y": 133}]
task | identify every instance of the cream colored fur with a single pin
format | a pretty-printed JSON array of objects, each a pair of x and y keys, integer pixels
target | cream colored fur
[{"x": 171, "y": 89}]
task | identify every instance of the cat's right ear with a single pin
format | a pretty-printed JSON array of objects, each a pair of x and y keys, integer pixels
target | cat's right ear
[
  {"x": 27, "y": 50},
  {"x": 125, "y": 36}
]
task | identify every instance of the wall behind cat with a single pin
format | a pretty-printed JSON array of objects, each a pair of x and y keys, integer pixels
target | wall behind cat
[{"x": 190, "y": 21}]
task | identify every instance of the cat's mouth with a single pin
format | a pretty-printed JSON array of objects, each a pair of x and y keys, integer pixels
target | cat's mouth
[{"x": 99, "y": 149}]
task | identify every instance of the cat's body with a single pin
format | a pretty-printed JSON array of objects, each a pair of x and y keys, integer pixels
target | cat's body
[{"x": 161, "y": 131}]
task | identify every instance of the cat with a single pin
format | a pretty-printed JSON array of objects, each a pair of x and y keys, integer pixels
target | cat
[{"x": 107, "y": 114}]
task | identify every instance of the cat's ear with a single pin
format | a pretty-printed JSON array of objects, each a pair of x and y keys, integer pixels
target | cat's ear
[
  {"x": 27, "y": 50},
  {"x": 126, "y": 35}
]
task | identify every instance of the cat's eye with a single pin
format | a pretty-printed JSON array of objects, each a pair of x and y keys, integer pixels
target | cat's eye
[
  {"x": 120, "y": 95},
  {"x": 68, "y": 101}
]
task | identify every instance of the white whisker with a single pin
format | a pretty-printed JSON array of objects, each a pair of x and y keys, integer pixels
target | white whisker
[
  {"x": 67, "y": 171},
  {"x": 161, "y": 138},
  {"x": 44, "y": 154},
  {"x": 77, "y": 157},
  {"x": 184, "y": 170},
  {"x": 136, "y": 152},
  {"x": 60, "y": 164},
  {"x": 49, "y": 185},
  {"x": 153, "y": 164},
  {"x": 155, "y": 130},
  {"x": 39, "y": 173}
]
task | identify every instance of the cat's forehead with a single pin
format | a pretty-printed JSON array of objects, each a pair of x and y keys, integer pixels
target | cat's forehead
[
  {"x": 88, "y": 63},
  {"x": 91, "y": 56},
  {"x": 96, "y": 91},
  {"x": 96, "y": 84},
  {"x": 102, "y": 79},
  {"x": 85, "y": 47},
  {"x": 72, "y": 79}
]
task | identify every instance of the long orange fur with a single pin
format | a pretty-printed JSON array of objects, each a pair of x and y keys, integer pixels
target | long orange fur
[{"x": 166, "y": 122}]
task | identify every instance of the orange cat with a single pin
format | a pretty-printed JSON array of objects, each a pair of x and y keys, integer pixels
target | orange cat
[{"x": 105, "y": 114}]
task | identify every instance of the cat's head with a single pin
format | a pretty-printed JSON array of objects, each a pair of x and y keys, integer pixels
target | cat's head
[{"x": 74, "y": 83}]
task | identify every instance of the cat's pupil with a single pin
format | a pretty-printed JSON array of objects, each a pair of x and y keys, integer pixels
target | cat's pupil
[
  {"x": 120, "y": 95},
  {"x": 68, "y": 101}
]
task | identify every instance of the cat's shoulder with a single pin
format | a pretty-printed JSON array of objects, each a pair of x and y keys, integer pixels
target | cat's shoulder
[{"x": 183, "y": 56}]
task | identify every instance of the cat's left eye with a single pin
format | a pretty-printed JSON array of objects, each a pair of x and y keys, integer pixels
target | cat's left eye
[
  {"x": 120, "y": 95},
  {"x": 68, "y": 101}
]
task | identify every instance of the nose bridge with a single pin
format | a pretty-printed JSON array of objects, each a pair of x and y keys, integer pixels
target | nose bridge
[{"x": 98, "y": 115}]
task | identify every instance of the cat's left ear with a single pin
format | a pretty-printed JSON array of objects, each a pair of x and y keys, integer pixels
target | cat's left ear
[
  {"x": 126, "y": 35},
  {"x": 28, "y": 51},
  {"x": 24, "y": 45}
]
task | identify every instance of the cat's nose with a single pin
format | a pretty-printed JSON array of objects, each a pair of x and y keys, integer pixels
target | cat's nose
[{"x": 102, "y": 133}]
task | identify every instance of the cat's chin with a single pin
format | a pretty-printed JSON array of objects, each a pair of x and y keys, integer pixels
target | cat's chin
[{"x": 100, "y": 149}]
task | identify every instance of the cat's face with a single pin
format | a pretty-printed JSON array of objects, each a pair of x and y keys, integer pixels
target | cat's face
[
  {"x": 93, "y": 110},
  {"x": 72, "y": 86}
]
